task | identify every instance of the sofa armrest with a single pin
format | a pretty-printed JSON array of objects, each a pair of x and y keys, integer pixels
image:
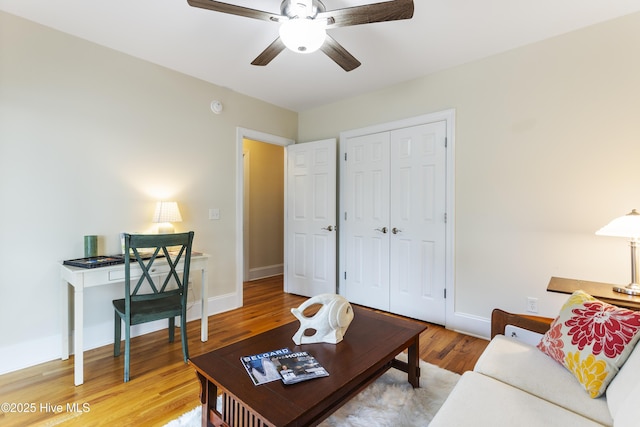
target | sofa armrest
[{"x": 500, "y": 319}]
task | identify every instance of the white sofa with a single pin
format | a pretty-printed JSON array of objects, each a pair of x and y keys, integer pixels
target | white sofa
[{"x": 515, "y": 384}]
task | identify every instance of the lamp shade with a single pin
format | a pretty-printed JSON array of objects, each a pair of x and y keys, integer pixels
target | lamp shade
[
  {"x": 167, "y": 212},
  {"x": 303, "y": 35},
  {"x": 624, "y": 226}
]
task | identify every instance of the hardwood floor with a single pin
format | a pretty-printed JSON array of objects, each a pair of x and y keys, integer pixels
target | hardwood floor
[{"x": 162, "y": 387}]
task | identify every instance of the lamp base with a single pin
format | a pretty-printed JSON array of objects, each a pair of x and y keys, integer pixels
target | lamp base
[
  {"x": 165, "y": 228},
  {"x": 630, "y": 289}
]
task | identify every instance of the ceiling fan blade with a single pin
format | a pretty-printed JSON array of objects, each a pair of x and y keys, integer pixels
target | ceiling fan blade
[
  {"x": 218, "y": 6},
  {"x": 366, "y": 14},
  {"x": 269, "y": 53},
  {"x": 339, "y": 54}
]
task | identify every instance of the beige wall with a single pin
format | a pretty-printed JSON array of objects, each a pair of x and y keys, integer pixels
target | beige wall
[
  {"x": 90, "y": 139},
  {"x": 546, "y": 151},
  {"x": 266, "y": 207},
  {"x": 547, "y": 145}
]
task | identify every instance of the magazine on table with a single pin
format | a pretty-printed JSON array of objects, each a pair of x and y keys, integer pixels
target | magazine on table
[
  {"x": 260, "y": 368},
  {"x": 298, "y": 366}
]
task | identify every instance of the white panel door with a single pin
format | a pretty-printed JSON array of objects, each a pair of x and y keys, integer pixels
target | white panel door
[
  {"x": 310, "y": 228},
  {"x": 367, "y": 210},
  {"x": 417, "y": 224}
]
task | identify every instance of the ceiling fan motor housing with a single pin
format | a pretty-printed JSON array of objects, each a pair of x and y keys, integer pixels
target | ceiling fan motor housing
[{"x": 302, "y": 8}]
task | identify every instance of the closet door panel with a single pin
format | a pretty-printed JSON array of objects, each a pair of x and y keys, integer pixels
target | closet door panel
[
  {"x": 367, "y": 243},
  {"x": 417, "y": 209}
]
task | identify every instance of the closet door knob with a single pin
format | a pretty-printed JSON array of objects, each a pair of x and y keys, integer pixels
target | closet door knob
[
  {"x": 383, "y": 230},
  {"x": 329, "y": 228},
  {"x": 396, "y": 230}
]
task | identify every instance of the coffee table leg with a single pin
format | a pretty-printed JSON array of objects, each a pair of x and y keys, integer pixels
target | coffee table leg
[
  {"x": 414, "y": 363},
  {"x": 209, "y": 398}
]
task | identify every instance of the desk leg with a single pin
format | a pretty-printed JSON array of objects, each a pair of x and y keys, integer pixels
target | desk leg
[
  {"x": 204, "y": 318},
  {"x": 78, "y": 335},
  {"x": 64, "y": 320}
]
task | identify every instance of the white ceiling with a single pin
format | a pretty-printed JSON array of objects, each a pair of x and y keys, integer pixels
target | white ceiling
[{"x": 219, "y": 48}]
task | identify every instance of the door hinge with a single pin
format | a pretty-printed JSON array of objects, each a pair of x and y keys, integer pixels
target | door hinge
[
  {"x": 446, "y": 142},
  {"x": 345, "y": 275},
  {"x": 345, "y": 216},
  {"x": 445, "y": 293},
  {"x": 445, "y": 217},
  {"x": 345, "y": 157}
]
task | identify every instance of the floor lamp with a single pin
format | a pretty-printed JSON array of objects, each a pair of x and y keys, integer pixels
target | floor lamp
[{"x": 626, "y": 226}]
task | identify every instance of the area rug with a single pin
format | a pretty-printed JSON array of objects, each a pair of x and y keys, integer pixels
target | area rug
[{"x": 389, "y": 401}]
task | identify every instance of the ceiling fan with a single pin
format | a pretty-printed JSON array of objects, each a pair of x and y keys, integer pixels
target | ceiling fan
[{"x": 303, "y": 25}]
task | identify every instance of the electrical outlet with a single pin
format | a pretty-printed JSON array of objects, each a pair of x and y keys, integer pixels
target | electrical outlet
[{"x": 532, "y": 305}]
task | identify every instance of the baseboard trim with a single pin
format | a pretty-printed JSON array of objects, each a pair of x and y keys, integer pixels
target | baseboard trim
[
  {"x": 34, "y": 352},
  {"x": 266, "y": 271},
  {"x": 29, "y": 353},
  {"x": 469, "y": 324}
]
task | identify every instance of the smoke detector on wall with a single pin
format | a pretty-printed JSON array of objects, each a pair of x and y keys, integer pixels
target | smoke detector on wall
[{"x": 216, "y": 107}]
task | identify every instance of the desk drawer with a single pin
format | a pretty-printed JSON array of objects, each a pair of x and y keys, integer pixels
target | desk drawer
[{"x": 118, "y": 275}]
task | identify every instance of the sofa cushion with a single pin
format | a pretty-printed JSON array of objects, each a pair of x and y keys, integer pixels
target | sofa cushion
[
  {"x": 527, "y": 368},
  {"x": 627, "y": 416},
  {"x": 592, "y": 339},
  {"x": 625, "y": 384},
  {"x": 481, "y": 401}
]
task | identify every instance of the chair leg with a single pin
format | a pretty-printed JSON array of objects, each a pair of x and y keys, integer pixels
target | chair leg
[
  {"x": 127, "y": 345},
  {"x": 183, "y": 336},
  {"x": 117, "y": 336},
  {"x": 172, "y": 328}
]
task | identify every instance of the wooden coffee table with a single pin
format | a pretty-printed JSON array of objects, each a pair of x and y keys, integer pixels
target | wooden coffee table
[{"x": 367, "y": 351}]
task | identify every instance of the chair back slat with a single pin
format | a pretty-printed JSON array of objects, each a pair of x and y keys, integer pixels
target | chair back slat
[
  {"x": 173, "y": 248},
  {"x": 173, "y": 264}
]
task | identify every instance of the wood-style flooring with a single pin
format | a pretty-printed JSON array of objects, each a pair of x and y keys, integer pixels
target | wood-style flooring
[{"x": 162, "y": 386}]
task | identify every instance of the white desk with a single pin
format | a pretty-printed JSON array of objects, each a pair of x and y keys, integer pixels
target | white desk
[{"x": 82, "y": 278}]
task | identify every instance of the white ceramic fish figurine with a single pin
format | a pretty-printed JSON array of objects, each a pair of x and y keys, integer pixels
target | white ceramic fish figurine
[{"x": 330, "y": 323}]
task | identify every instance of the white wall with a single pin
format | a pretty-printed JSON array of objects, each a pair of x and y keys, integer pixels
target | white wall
[
  {"x": 90, "y": 139},
  {"x": 547, "y": 152}
]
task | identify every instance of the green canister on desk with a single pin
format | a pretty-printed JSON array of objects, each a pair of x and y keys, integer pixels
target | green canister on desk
[{"x": 90, "y": 246}]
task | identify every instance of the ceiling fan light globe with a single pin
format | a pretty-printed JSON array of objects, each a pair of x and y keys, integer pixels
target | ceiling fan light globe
[{"x": 302, "y": 35}]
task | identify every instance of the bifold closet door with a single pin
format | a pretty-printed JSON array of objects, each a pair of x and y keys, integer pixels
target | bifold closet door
[
  {"x": 395, "y": 233},
  {"x": 417, "y": 223},
  {"x": 367, "y": 210}
]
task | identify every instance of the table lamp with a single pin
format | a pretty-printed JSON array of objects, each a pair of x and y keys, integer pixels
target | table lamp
[
  {"x": 165, "y": 214},
  {"x": 626, "y": 226}
]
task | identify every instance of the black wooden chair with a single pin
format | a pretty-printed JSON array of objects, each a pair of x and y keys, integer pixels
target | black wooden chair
[{"x": 149, "y": 299}]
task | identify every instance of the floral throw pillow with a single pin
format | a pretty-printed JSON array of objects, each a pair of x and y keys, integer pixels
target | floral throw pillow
[{"x": 592, "y": 339}]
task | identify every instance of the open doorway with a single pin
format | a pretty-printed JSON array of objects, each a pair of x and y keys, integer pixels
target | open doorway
[
  {"x": 263, "y": 225},
  {"x": 243, "y": 134}
]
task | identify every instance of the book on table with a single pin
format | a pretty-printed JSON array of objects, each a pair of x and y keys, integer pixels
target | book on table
[
  {"x": 298, "y": 366},
  {"x": 260, "y": 368},
  {"x": 282, "y": 365}
]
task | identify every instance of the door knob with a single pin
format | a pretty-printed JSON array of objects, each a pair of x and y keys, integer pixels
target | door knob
[
  {"x": 329, "y": 228},
  {"x": 396, "y": 230},
  {"x": 383, "y": 230}
]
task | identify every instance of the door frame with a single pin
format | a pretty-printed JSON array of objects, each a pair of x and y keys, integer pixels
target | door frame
[
  {"x": 241, "y": 135},
  {"x": 449, "y": 117}
]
